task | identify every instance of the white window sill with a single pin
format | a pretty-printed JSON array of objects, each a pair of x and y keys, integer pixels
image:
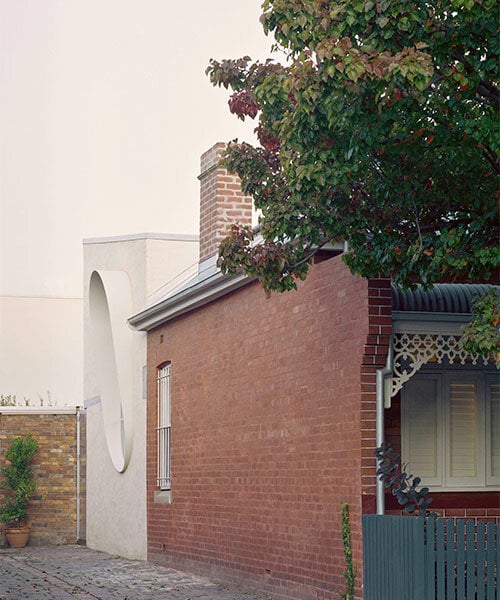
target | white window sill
[{"x": 163, "y": 497}]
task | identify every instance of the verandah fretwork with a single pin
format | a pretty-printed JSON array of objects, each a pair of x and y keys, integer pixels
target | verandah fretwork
[{"x": 413, "y": 350}]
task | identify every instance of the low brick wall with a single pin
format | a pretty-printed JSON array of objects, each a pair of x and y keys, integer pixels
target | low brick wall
[{"x": 57, "y": 511}]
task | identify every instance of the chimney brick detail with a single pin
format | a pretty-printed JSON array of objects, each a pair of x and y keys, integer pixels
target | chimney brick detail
[{"x": 222, "y": 202}]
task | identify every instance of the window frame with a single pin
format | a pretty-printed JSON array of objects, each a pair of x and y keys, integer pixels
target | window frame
[{"x": 484, "y": 481}]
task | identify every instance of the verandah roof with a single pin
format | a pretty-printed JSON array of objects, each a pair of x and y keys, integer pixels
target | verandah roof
[{"x": 452, "y": 298}]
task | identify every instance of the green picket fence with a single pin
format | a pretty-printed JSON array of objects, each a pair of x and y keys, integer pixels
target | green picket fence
[{"x": 412, "y": 558}]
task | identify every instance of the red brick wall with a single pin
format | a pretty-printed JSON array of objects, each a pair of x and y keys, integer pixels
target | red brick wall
[
  {"x": 267, "y": 433},
  {"x": 54, "y": 509},
  {"x": 374, "y": 358},
  {"x": 473, "y": 506}
]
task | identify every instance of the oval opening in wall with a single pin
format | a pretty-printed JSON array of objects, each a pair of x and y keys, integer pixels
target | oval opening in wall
[{"x": 110, "y": 303}]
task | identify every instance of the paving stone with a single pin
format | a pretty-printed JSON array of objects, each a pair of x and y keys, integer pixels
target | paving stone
[{"x": 65, "y": 572}]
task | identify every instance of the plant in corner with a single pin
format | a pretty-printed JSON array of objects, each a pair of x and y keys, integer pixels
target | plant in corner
[
  {"x": 404, "y": 487},
  {"x": 350, "y": 570},
  {"x": 19, "y": 486}
]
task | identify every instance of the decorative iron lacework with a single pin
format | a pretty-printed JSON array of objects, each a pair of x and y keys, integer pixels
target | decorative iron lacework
[{"x": 412, "y": 350}]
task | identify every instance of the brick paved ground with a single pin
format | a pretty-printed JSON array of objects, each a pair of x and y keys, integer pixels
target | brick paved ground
[{"x": 63, "y": 572}]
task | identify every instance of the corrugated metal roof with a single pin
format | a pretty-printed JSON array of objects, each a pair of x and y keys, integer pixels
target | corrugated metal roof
[{"x": 443, "y": 297}]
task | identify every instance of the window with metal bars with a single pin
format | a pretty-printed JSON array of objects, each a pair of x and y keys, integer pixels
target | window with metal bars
[{"x": 163, "y": 428}]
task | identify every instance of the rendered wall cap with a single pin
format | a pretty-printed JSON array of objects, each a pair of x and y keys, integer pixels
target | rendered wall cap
[
  {"x": 176, "y": 237},
  {"x": 40, "y": 410}
]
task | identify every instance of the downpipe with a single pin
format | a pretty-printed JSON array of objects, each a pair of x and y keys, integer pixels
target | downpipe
[
  {"x": 381, "y": 376},
  {"x": 78, "y": 472}
]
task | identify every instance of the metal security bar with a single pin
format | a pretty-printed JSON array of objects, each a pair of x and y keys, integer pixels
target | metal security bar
[{"x": 163, "y": 429}]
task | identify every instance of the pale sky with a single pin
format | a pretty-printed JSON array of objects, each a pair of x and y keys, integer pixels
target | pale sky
[{"x": 104, "y": 111}]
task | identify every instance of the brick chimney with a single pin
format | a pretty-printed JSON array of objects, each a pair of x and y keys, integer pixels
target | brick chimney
[{"x": 222, "y": 202}]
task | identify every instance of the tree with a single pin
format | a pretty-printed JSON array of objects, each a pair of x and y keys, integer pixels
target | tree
[
  {"x": 482, "y": 335},
  {"x": 380, "y": 129}
]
